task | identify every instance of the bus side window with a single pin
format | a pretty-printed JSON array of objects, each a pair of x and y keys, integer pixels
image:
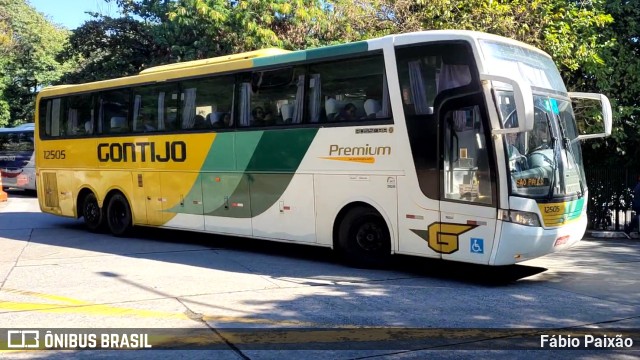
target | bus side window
[
  {"x": 52, "y": 117},
  {"x": 204, "y": 101},
  {"x": 79, "y": 118},
  {"x": 349, "y": 90},
  {"x": 272, "y": 97},
  {"x": 152, "y": 106},
  {"x": 114, "y": 111}
]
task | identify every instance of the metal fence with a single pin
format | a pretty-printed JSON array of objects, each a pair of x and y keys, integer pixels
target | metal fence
[{"x": 610, "y": 196}]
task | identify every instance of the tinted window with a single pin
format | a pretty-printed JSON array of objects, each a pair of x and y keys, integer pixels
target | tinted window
[
  {"x": 272, "y": 97},
  {"x": 348, "y": 90},
  {"x": 207, "y": 103},
  {"x": 155, "y": 108},
  {"x": 114, "y": 111}
]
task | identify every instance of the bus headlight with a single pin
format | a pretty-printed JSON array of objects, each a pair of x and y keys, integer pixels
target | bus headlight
[{"x": 520, "y": 217}]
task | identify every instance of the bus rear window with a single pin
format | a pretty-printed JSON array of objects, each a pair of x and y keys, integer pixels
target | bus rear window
[{"x": 16, "y": 141}]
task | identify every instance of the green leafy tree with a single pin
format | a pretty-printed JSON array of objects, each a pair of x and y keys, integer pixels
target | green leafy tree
[
  {"x": 107, "y": 47},
  {"x": 579, "y": 35},
  {"x": 622, "y": 85},
  {"x": 6, "y": 45},
  {"x": 29, "y": 43}
]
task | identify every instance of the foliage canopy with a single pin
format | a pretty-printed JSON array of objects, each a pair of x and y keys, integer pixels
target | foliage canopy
[{"x": 594, "y": 42}]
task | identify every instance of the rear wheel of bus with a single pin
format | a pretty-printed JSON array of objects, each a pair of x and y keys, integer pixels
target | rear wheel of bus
[
  {"x": 92, "y": 213},
  {"x": 119, "y": 215},
  {"x": 363, "y": 237}
]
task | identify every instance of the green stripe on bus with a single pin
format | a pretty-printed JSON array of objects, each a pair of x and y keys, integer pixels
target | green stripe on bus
[
  {"x": 281, "y": 151},
  {"x": 222, "y": 172},
  {"x": 247, "y": 143},
  {"x": 280, "y": 59},
  {"x": 574, "y": 209},
  {"x": 221, "y": 155},
  {"x": 337, "y": 50},
  {"x": 278, "y": 152},
  {"x": 266, "y": 161},
  {"x": 313, "y": 54}
]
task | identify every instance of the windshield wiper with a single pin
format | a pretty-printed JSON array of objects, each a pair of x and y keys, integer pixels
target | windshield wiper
[
  {"x": 556, "y": 158},
  {"x": 568, "y": 150}
]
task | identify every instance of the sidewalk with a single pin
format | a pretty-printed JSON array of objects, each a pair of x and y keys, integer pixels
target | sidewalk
[{"x": 601, "y": 234}]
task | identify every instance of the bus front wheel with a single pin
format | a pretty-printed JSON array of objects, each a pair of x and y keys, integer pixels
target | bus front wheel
[
  {"x": 364, "y": 238},
  {"x": 119, "y": 215},
  {"x": 92, "y": 213}
]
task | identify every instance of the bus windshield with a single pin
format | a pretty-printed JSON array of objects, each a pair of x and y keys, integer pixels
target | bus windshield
[
  {"x": 522, "y": 63},
  {"x": 546, "y": 162}
]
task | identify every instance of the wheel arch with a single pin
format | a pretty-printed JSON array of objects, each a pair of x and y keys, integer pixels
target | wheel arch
[
  {"x": 345, "y": 208},
  {"x": 114, "y": 191},
  {"x": 124, "y": 230},
  {"x": 82, "y": 194}
]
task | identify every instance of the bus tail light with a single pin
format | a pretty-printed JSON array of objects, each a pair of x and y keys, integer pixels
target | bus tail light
[
  {"x": 520, "y": 217},
  {"x": 22, "y": 180},
  {"x": 561, "y": 240}
]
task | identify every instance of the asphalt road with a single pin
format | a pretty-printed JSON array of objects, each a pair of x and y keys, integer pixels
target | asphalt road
[{"x": 54, "y": 274}]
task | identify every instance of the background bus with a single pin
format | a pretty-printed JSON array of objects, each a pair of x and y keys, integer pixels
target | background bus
[
  {"x": 17, "y": 157},
  {"x": 391, "y": 145}
]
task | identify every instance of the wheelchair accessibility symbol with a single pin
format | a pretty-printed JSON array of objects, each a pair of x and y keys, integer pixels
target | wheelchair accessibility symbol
[{"x": 477, "y": 246}]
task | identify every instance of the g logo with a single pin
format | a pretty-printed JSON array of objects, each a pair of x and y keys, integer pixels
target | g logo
[{"x": 443, "y": 238}]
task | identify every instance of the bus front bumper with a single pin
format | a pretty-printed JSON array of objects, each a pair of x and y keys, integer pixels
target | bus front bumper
[{"x": 520, "y": 243}]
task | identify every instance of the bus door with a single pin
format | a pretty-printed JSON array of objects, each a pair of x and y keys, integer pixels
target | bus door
[
  {"x": 418, "y": 205},
  {"x": 447, "y": 125},
  {"x": 468, "y": 190}
]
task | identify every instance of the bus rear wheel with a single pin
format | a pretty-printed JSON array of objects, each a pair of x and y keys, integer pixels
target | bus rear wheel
[
  {"x": 92, "y": 213},
  {"x": 119, "y": 215},
  {"x": 363, "y": 237}
]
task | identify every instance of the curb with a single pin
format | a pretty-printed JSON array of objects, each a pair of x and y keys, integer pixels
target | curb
[{"x": 616, "y": 235}]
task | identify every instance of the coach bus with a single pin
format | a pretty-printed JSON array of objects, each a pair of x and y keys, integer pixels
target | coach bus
[
  {"x": 455, "y": 145},
  {"x": 17, "y": 165}
]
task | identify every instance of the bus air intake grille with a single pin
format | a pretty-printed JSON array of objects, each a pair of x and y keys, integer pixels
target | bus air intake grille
[{"x": 50, "y": 190}]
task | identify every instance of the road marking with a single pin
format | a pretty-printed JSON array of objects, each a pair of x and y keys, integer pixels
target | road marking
[{"x": 66, "y": 305}]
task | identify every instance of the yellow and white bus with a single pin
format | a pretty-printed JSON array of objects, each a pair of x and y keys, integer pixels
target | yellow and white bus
[{"x": 456, "y": 145}]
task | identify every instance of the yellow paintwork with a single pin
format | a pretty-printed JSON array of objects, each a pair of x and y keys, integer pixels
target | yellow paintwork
[
  {"x": 359, "y": 159},
  {"x": 80, "y": 169},
  {"x": 166, "y": 72},
  {"x": 443, "y": 237},
  {"x": 559, "y": 214},
  {"x": 65, "y": 305},
  {"x": 216, "y": 60}
]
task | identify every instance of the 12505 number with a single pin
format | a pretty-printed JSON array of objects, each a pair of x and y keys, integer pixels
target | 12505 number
[{"x": 54, "y": 154}]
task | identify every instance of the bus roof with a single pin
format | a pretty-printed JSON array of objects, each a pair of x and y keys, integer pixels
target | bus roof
[
  {"x": 216, "y": 60},
  {"x": 222, "y": 64},
  {"x": 267, "y": 57},
  {"x": 19, "y": 128}
]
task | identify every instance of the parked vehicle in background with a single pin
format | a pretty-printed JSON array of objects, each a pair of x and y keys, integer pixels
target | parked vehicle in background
[{"x": 17, "y": 164}]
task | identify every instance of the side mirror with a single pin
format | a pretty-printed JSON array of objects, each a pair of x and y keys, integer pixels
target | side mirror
[
  {"x": 605, "y": 109},
  {"x": 523, "y": 99}
]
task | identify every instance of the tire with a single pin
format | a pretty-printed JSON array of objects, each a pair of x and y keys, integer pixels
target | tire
[
  {"x": 363, "y": 238},
  {"x": 92, "y": 213},
  {"x": 119, "y": 215}
]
